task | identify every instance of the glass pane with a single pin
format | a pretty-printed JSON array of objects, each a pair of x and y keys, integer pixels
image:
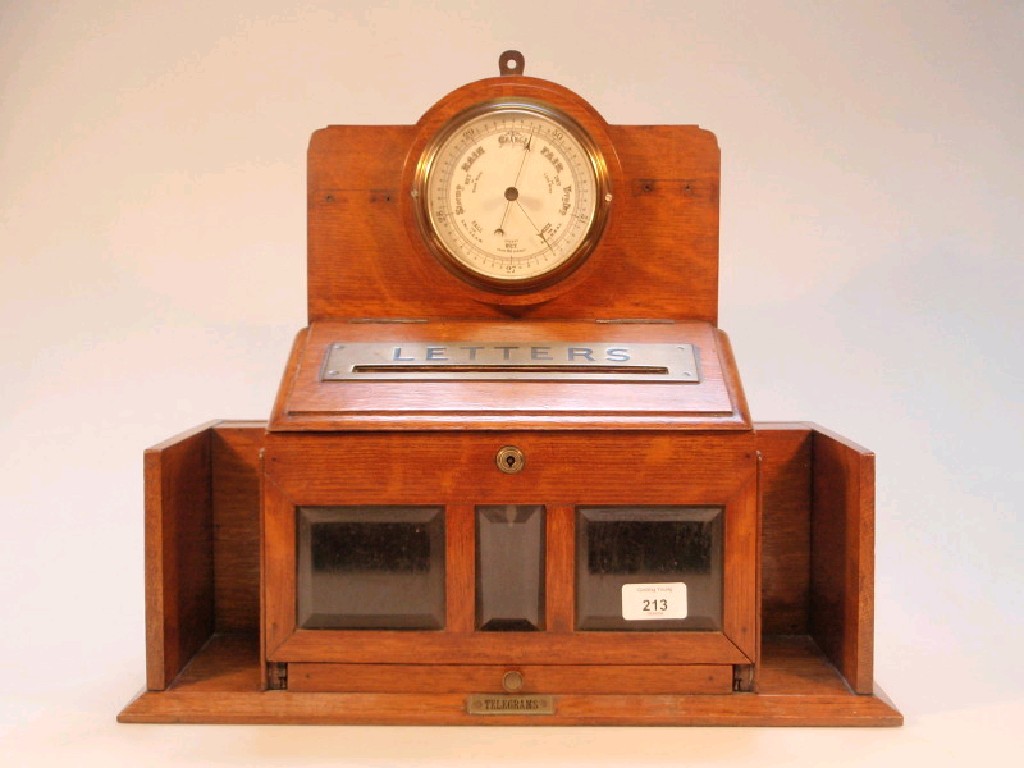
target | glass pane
[
  {"x": 370, "y": 567},
  {"x": 626, "y": 555},
  {"x": 510, "y": 568}
]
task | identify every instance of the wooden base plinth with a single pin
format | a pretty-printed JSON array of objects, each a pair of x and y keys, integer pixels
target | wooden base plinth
[{"x": 798, "y": 687}]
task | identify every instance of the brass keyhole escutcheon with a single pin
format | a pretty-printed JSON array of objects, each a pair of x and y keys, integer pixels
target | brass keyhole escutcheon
[{"x": 510, "y": 460}]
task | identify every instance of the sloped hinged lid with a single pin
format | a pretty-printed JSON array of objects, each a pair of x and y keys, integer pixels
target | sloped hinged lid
[{"x": 444, "y": 375}]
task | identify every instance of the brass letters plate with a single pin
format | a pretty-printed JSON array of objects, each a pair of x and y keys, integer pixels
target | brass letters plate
[
  {"x": 512, "y": 361},
  {"x": 497, "y": 704}
]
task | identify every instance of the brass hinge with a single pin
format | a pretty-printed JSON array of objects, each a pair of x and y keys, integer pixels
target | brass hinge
[
  {"x": 743, "y": 678},
  {"x": 277, "y": 676}
]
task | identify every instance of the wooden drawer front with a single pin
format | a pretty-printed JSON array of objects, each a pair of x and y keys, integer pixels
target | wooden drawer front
[
  {"x": 563, "y": 473},
  {"x": 429, "y": 678}
]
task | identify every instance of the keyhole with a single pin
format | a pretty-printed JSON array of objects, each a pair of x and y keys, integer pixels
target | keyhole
[{"x": 510, "y": 459}]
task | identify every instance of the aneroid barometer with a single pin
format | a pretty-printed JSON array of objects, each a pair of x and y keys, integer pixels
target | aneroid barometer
[
  {"x": 510, "y": 475},
  {"x": 512, "y": 194}
]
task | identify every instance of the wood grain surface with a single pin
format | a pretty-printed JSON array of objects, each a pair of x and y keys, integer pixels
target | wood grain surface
[
  {"x": 786, "y": 526},
  {"x": 179, "y": 553},
  {"x": 549, "y": 678},
  {"x": 305, "y": 403},
  {"x": 236, "y": 523},
  {"x": 658, "y": 257},
  {"x": 799, "y": 688},
  {"x": 563, "y": 471},
  {"x": 211, "y": 473},
  {"x": 843, "y": 556}
]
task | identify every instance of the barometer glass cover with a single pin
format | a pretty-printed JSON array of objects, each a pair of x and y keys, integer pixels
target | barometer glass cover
[{"x": 512, "y": 195}]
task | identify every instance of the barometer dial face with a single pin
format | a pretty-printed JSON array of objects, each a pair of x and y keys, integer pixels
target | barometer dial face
[{"x": 512, "y": 195}]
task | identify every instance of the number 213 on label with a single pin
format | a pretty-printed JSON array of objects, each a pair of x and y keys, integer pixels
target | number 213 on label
[{"x": 651, "y": 602}]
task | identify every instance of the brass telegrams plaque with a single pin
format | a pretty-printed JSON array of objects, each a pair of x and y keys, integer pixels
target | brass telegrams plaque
[
  {"x": 576, "y": 361},
  {"x": 498, "y": 704}
]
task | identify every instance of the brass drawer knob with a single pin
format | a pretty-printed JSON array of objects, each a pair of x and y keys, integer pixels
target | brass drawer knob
[{"x": 512, "y": 681}]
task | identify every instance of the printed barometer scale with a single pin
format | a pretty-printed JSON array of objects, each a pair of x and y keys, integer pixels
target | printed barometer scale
[
  {"x": 512, "y": 194},
  {"x": 510, "y": 476}
]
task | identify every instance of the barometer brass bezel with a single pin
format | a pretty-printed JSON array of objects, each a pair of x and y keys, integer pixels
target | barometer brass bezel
[{"x": 567, "y": 264}]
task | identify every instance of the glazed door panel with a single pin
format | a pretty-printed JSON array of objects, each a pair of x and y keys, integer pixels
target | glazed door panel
[{"x": 417, "y": 549}]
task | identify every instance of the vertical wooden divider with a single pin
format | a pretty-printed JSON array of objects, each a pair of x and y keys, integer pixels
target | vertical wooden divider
[
  {"x": 740, "y": 563},
  {"x": 560, "y": 569},
  {"x": 279, "y": 596},
  {"x": 460, "y": 568}
]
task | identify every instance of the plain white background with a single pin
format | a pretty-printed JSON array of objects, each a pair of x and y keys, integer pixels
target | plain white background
[{"x": 152, "y": 243}]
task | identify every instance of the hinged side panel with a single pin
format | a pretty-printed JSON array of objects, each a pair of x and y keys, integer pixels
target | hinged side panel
[
  {"x": 843, "y": 556},
  {"x": 179, "y": 553}
]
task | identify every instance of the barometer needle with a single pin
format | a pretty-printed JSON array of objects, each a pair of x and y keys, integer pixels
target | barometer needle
[
  {"x": 501, "y": 227},
  {"x": 513, "y": 192},
  {"x": 526, "y": 154},
  {"x": 540, "y": 233}
]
